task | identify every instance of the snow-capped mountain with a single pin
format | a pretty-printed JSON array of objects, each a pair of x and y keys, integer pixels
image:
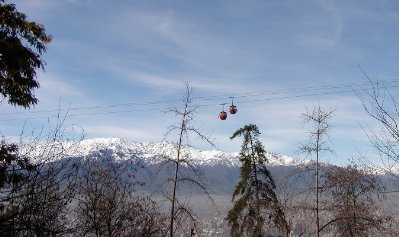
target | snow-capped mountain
[
  {"x": 152, "y": 153},
  {"x": 219, "y": 169}
]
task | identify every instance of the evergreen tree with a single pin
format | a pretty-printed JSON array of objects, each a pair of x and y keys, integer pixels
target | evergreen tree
[{"x": 255, "y": 201}]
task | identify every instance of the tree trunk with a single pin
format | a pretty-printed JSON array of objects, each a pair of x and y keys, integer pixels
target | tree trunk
[
  {"x": 172, "y": 211},
  {"x": 317, "y": 184}
]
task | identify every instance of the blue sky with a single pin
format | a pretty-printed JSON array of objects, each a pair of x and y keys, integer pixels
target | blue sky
[{"x": 122, "y": 52}]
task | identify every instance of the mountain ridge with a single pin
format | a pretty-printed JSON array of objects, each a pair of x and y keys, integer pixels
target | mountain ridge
[
  {"x": 152, "y": 152},
  {"x": 220, "y": 169}
]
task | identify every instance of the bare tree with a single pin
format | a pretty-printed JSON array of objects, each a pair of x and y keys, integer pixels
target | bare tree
[
  {"x": 383, "y": 106},
  {"x": 179, "y": 210},
  {"x": 43, "y": 202},
  {"x": 39, "y": 204},
  {"x": 107, "y": 204},
  {"x": 354, "y": 201},
  {"x": 318, "y": 119},
  {"x": 296, "y": 199}
]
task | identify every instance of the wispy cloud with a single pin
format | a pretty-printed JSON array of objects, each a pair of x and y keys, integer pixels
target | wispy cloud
[
  {"x": 52, "y": 85},
  {"x": 144, "y": 134},
  {"x": 113, "y": 52}
]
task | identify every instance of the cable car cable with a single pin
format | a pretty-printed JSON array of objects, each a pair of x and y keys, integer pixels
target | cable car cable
[
  {"x": 205, "y": 98},
  {"x": 201, "y": 105}
]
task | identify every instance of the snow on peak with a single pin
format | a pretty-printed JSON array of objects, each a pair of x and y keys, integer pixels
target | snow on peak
[{"x": 152, "y": 153}]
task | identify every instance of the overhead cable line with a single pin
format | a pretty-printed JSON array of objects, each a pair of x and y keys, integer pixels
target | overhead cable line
[
  {"x": 91, "y": 107},
  {"x": 205, "y": 98},
  {"x": 200, "y": 105},
  {"x": 286, "y": 91}
]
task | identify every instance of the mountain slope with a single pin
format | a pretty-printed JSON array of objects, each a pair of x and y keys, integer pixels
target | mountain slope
[
  {"x": 220, "y": 170},
  {"x": 152, "y": 153}
]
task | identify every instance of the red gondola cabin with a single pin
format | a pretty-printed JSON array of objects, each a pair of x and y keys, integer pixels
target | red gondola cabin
[
  {"x": 222, "y": 115},
  {"x": 233, "y": 109}
]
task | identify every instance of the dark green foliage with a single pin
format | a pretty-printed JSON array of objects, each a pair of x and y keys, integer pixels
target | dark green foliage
[
  {"x": 21, "y": 45},
  {"x": 34, "y": 197},
  {"x": 255, "y": 202},
  {"x": 11, "y": 165},
  {"x": 13, "y": 174}
]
